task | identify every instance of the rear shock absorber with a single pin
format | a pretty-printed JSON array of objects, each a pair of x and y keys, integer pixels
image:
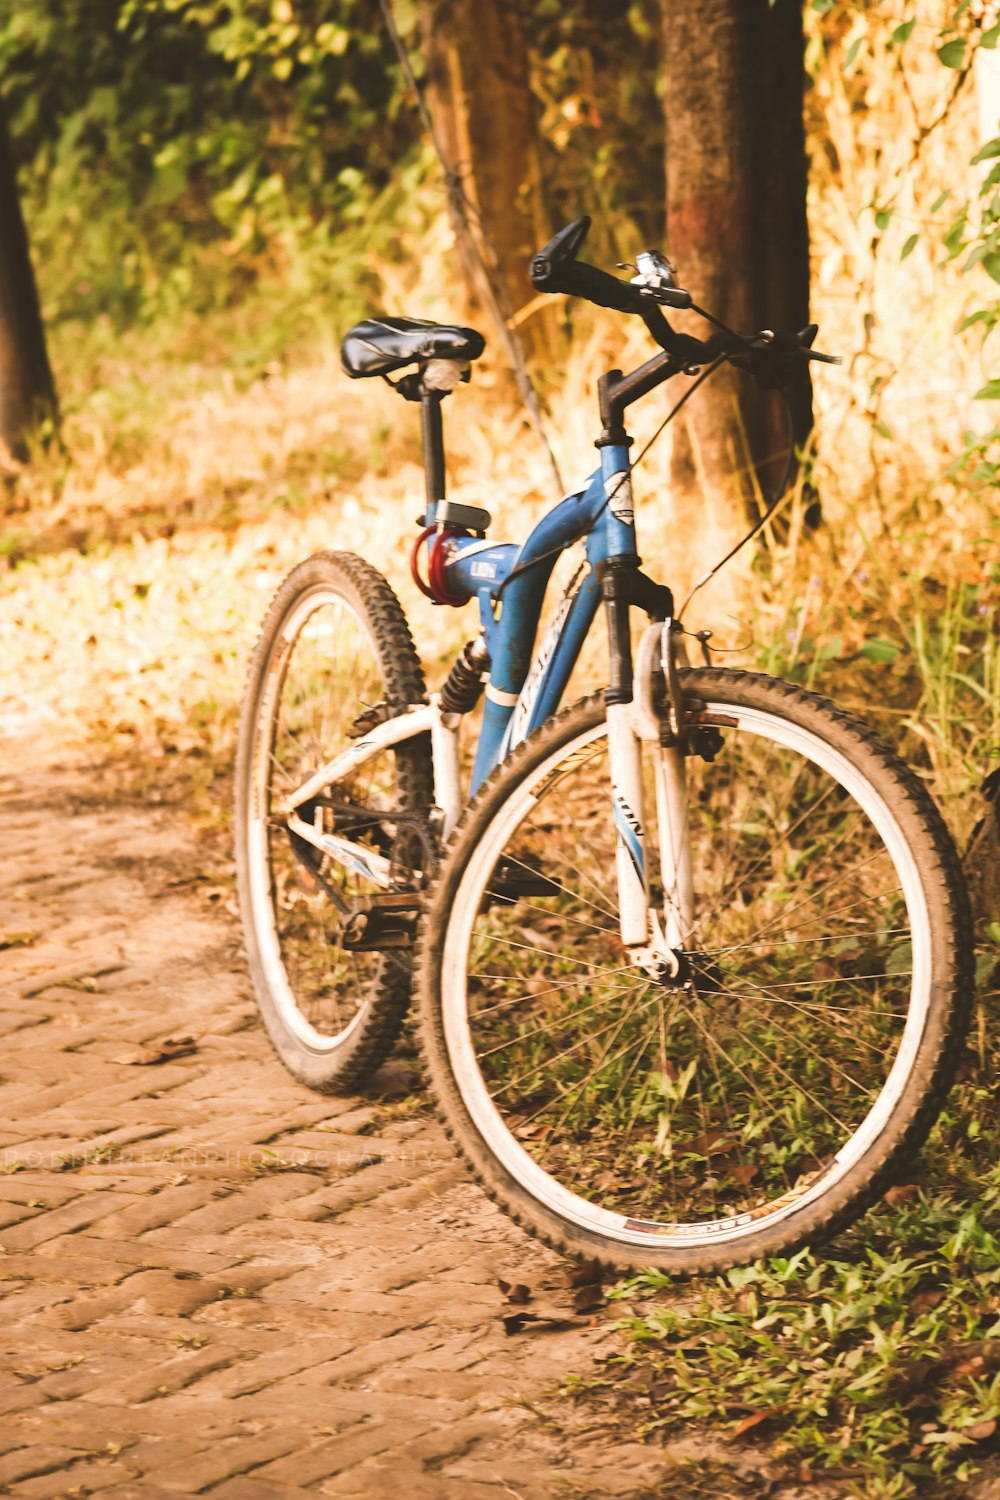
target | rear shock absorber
[{"x": 464, "y": 683}]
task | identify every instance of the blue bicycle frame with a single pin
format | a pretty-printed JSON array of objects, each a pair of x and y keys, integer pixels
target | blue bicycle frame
[{"x": 524, "y": 689}]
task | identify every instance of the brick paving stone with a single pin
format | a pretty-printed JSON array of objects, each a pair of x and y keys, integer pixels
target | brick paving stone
[
  {"x": 454, "y": 1355},
  {"x": 165, "y": 1377},
  {"x": 247, "y": 1487},
  {"x": 76, "y": 1214},
  {"x": 344, "y": 1452},
  {"x": 137, "y": 1490},
  {"x": 87, "y": 1476},
  {"x": 41, "y": 1460},
  {"x": 226, "y": 1460},
  {"x": 98, "y": 1256},
  {"x": 258, "y": 1374},
  {"x": 470, "y": 1385},
  {"x": 395, "y": 1477}
]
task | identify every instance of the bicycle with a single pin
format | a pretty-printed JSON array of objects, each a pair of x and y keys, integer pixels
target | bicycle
[{"x": 694, "y": 961}]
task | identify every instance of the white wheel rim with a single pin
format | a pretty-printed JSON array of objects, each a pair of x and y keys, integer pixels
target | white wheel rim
[
  {"x": 549, "y": 1193},
  {"x": 264, "y": 930}
]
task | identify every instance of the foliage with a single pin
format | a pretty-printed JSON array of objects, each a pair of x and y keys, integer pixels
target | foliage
[
  {"x": 600, "y": 117},
  {"x": 967, "y": 227},
  {"x": 166, "y": 143},
  {"x": 170, "y": 148}
]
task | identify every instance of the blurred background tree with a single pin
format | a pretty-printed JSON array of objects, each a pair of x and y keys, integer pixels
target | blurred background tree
[{"x": 27, "y": 391}]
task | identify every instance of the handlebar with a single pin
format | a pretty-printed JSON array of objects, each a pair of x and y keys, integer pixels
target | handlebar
[
  {"x": 556, "y": 269},
  {"x": 772, "y": 359},
  {"x": 588, "y": 282}
]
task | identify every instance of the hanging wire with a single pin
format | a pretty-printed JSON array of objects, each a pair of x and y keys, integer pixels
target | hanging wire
[
  {"x": 780, "y": 494},
  {"x": 463, "y": 211},
  {"x": 533, "y": 562}
]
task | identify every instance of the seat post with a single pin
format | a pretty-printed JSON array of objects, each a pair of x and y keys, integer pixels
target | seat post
[{"x": 433, "y": 435}]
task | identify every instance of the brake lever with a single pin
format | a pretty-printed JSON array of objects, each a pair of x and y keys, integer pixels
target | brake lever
[
  {"x": 793, "y": 344},
  {"x": 655, "y": 279}
]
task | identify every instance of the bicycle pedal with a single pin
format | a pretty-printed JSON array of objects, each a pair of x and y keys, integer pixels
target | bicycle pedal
[
  {"x": 383, "y": 922},
  {"x": 509, "y": 886}
]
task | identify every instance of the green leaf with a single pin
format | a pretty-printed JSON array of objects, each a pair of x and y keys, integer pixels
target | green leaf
[
  {"x": 823, "y": 7},
  {"x": 882, "y": 428},
  {"x": 985, "y": 965},
  {"x": 991, "y": 149},
  {"x": 878, "y": 649},
  {"x": 990, "y": 38},
  {"x": 900, "y": 960},
  {"x": 953, "y": 234},
  {"x": 991, "y": 265},
  {"x": 910, "y": 246},
  {"x": 989, "y": 392},
  {"x": 853, "y": 51},
  {"x": 952, "y": 54},
  {"x": 883, "y": 218},
  {"x": 940, "y": 200},
  {"x": 902, "y": 33}
]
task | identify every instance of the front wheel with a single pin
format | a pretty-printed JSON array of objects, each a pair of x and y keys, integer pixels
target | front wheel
[{"x": 767, "y": 1094}]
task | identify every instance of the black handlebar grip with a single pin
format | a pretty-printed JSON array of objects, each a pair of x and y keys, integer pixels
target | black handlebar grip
[{"x": 579, "y": 280}]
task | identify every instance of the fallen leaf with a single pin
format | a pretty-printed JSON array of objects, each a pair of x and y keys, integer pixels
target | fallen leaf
[
  {"x": 545, "y": 1320},
  {"x": 980, "y": 1431},
  {"x": 587, "y": 1299},
  {"x": 539, "y": 939},
  {"x": 910, "y": 1377},
  {"x": 931, "y": 1298},
  {"x": 903, "y": 1192},
  {"x": 587, "y": 1273},
  {"x": 515, "y": 1292},
  {"x": 19, "y": 939},
  {"x": 712, "y": 1143},
  {"x": 745, "y": 1173},
  {"x": 160, "y": 1052},
  {"x": 756, "y": 1419}
]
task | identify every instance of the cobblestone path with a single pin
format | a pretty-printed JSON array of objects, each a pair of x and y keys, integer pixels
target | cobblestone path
[{"x": 212, "y": 1280}]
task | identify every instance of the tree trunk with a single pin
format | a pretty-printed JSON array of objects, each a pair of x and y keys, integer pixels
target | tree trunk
[
  {"x": 483, "y": 113},
  {"x": 737, "y": 229},
  {"x": 27, "y": 391}
]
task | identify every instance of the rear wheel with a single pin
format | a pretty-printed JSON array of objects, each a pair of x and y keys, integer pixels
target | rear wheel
[
  {"x": 334, "y": 658},
  {"x": 767, "y": 1094}
]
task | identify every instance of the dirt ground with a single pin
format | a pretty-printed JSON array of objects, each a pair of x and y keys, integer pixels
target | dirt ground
[{"x": 213, "y": 1280}]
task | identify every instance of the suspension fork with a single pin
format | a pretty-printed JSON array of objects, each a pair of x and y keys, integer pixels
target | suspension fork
[
  {"x": 625, "y": 759},
  {"x": 652, "y": 942}
]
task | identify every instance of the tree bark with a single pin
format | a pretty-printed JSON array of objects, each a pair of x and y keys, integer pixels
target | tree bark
[
  {"x": 27, "y": 390},
  {"x": 737, "y": 229},
  {"x": 484, "y": 117}
]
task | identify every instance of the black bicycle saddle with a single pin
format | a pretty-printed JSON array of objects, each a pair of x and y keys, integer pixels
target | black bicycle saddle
[{"x": 379, "y": 345}]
